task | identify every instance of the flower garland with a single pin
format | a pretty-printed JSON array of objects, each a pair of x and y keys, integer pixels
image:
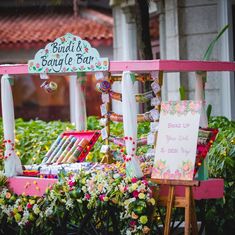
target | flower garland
[
  {"x": 11, "y": 147},
  {"x": 206, "y": 138}
]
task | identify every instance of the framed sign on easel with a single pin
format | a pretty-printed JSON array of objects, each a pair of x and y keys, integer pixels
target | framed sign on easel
[{"x": 175, "y": 157}]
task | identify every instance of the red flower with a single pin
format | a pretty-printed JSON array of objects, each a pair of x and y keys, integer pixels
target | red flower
[
  {"x": 132, "y": 223},
  {"x": 29, "y": 206},
  {"x": 87, "y": 196},
  {"x": 134, "y": 180},
  {"x": 135, "y": 193}
]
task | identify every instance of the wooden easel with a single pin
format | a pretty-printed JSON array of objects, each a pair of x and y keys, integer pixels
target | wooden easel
[{"x": 186, "y": 202}]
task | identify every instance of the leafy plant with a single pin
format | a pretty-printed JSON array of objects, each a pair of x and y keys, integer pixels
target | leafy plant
[
  {"x": 220, "y": 214},
  {"x": 3, "y": 180},
  {"x": 210, "y": 48},
  {"x": 34, "y": 138}
]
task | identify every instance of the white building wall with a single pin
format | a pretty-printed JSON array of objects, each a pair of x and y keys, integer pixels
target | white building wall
[{"x": 189, "y": 28}]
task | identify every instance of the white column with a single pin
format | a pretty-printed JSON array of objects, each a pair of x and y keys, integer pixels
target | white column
[
  {"x": 226, "y": 54},
  {"x": 72, "y": 84},
  {"x": 77, "y": 103},
  {"x": 12, "y": 163}
]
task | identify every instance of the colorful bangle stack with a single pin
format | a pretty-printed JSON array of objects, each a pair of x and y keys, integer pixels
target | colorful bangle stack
[
  {"x": 81, "y": 146},
  {"x": 70, "y": 147},
  {"x": 140, "y": 98},
  {"x": 140, "y": 117}
]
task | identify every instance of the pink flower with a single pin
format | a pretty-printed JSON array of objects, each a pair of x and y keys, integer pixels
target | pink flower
[
  {"x": 177, "y": 174},
  {"x": 46, "y": 51},
  {"x": 87, "y": 196},
  {"x": 145, "y": 182},
  {"x": 180, "y": 108},
  {"x": 192, "y": 105},
  {"x": 101, "y": 197},
  {"x": 134, "y": 180},
  {"x": 166, "y": 175},
  {"x": 165, "y": 107},
  {"x": 37, "y": 65},
  {"x": 160, "y": 165},
  {"x": 132, "y": 223},
  {"x": 186, "y": 167},
  {"x": 135, "y": 193},
  {"x": 71, "y": 183}
]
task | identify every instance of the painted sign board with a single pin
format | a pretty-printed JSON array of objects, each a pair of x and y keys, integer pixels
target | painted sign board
[
  {"x": 177, "y": 140},
  {"x": 67, "y": 54}
]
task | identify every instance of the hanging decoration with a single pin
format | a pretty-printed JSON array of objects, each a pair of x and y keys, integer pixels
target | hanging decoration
[{"x": 49, "y": 87}]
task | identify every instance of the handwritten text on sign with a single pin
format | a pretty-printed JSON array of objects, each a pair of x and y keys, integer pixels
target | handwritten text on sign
[
  {"x": 177, "y": 140},
  {"x": 67, "y": 54}
]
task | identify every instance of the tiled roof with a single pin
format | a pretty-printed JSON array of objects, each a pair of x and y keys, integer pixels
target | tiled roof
[{"x": 34, "y": 30}]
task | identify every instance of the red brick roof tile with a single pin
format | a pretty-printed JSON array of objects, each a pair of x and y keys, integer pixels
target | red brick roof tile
[{"x": 35, "y": 29}]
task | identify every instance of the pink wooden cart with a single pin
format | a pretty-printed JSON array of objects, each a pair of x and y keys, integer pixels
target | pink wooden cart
[{"x": 212, "y": 188}]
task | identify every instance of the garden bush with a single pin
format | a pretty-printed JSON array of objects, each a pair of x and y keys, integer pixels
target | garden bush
[
  {"x": 220, "y": 213},
  {"x": 34, "y": 138}
]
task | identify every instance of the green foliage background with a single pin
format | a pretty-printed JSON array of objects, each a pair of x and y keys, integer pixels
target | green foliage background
[
  {"x": 220, "y": 213},
  {"x": 33, "y": 139}
]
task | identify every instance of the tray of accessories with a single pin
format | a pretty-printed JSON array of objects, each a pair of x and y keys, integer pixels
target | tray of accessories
[{"x": 69, "y": 147}]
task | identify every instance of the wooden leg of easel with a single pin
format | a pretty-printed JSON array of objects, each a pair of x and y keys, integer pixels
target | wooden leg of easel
[
  {"x": 193, "y": 214},
  {"x": 187, "y": 211},
  {"x": 169, "y": 206}
]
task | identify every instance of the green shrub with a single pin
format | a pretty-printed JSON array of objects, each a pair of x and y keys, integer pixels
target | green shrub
[
  {"x": 220, "y": 214},
  {"x": 33, "y": 138}
]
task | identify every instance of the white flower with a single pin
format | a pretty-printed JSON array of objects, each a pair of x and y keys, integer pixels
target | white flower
[
  {"x": 69, "y": 204},
  {"x": 48, "y": 211},
  {"x": 36, "y": 209}
]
